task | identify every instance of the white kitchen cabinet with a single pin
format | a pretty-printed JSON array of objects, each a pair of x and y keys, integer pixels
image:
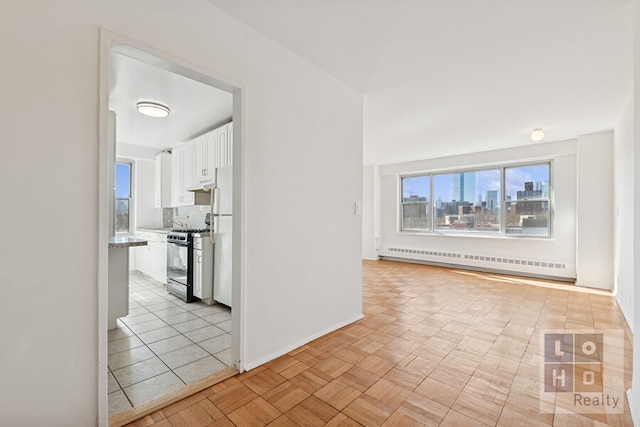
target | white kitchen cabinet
[
  {"x": 210, "y": 151},
  {"x": 151, "y": 259},
  {"x": 182, "y": 175},
  {"x": 203, "y": 159},
  {"x": 162, "y": 183}
]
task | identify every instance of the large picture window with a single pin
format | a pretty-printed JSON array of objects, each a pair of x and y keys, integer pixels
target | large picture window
[{"x": 509, "y": 200}]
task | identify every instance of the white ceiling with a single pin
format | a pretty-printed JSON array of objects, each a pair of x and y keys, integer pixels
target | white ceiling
[
  {"x": 450, "y": 77},
  {"x": 195, "y": 107}
]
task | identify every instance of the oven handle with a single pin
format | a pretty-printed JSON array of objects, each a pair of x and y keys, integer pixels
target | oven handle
[{"x": 178, "y": 243}]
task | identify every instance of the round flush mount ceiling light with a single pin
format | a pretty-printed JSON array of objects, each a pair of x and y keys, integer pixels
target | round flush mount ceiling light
[
  {"x": 537, "y": 134},
  {"x": 152, "y": 109}
]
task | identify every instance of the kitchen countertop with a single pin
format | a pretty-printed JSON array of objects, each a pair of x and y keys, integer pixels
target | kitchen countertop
[
  {"x": 154, "y": 230},
  {"x": 126, "y": 242}
]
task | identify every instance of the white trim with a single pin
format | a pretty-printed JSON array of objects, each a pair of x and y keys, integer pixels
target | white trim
[
  {"x": 633, "y": 407},
  {"x": 103, "y": 229},
  {"x": 300, "y": 343}
]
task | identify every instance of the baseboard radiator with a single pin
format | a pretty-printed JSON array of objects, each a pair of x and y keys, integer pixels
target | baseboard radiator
[{"x": 562, "y": 271}]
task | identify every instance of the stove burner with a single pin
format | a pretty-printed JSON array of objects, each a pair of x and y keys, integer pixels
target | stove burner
[{"x": 190, "y": 230}]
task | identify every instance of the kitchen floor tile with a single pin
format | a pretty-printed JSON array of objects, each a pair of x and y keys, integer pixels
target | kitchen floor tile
[
  {"x": 158, "y": 334},
  {"x": 129, "y": 357},
  {"x": 191, "y": 325},
  {"x": 208, "y": 310},
  {"x": 160, "y": 305},
  {"x": 112, "y": 384},
  {"x": 216, "y": 344},
  {"x": 217, "y": 317},
  {"x": 141, "y": 318},
  {"x": 225, "y": 326},
  {"x": 152, "y": 388},
  {"x": 225, "y": 357},
  {"x": 122, "y": 344},
  {"x": 170, "y": 344},
  {"x": 140, "y": 371},
  {"x": 199, "y": 369},
  {"x": 120, "y": 331},
  {"x": 205, "y": 333},
  {"x": 140, "y": 328},
  {"x": 165, "y": 312},
  {"x": 141, "y": 365},
  {"x": 183, "y": 356},
  {"x": 179, "y": 318},
  {"x": 118, "y": 402},
  {"x": 157, "y": 303}
]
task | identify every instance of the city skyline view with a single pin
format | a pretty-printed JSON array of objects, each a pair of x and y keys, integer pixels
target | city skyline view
[{"x": 485, "y": 180}]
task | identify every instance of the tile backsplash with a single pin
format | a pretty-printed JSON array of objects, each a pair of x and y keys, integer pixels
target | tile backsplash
[
  {"x": 193, "y": 216},
  {"x": 167, "y": 217}
]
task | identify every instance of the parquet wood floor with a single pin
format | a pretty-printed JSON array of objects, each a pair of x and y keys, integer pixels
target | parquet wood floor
[{"x": 437, "y": 346}]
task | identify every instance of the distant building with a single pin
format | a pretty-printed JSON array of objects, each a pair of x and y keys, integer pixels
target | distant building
[
  {"x": 491, "y": 199},
  {"x": 463, "y": 187}
]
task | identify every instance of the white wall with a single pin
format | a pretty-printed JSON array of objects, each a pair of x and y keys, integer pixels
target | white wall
[
  {"x": 302, "y": 174},
  {"x": 559, "y": 249},
  {"x": 595, "y": 216},
  {"x": 624, "y": 213},
  {"x": 634, "y": 393},
  {"x": 370, "y": 214}
]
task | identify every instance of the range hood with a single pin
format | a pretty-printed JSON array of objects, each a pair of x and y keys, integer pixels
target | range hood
[{"x": 202, "y": 188}]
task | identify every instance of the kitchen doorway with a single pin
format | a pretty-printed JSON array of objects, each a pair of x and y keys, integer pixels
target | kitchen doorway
[{"x": 165, "y": 346}]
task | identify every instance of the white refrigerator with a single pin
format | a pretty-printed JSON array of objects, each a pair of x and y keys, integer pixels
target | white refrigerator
[{"x": 222, "y": 220}]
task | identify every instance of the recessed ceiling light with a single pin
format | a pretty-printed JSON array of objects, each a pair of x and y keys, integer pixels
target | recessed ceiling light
[
  {"x": 152, "y": 109},
  {"x": 537, "y": 134}
]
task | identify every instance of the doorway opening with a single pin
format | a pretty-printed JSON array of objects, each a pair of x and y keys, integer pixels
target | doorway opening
[{"x": 166, "y": 344}]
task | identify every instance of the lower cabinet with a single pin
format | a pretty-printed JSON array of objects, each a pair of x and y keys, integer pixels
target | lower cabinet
[{"x": 151, "y": 259}]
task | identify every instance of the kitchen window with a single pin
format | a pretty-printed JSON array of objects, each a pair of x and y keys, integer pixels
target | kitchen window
[
  {"x": 123, "y": 201},
  {"x": 507, "y": 200}
]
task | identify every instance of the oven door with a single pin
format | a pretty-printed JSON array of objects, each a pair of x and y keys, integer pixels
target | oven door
[{"x": 177, "y": 262}]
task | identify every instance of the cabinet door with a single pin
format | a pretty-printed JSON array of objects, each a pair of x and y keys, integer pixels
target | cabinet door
[
  {"x": 182, "y": 176},
  {"x": 229, "y": 158},
  {"x": 197, "y": 273},
  {"x": 222, "y": 144},
  {"x": 188, "y": 197},
  {"x": 200, "y": 158}
]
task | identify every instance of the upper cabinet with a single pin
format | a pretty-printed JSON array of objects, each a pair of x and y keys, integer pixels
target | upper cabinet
[
  {"x": 182, "y": 176},
  {"x": 162, "y": 189},
  {"x": 193, "y": 166},
  {"x": 210, "y": 151}
]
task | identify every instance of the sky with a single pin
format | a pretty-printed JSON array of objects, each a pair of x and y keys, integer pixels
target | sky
[
  {"x": 123, "y": 182},
  {"x": 485, "y": 180}
]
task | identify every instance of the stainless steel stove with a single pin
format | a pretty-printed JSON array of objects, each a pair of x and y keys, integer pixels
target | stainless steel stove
[{"x": 187, "y": 267}]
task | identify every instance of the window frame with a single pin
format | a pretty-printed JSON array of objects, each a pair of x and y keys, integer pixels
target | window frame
[
  {"x": 502, "y": 233},
  {"x": 429, "y": 203}
]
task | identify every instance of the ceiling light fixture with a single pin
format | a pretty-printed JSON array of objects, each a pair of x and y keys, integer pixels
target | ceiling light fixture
[
  {"x": 537, "y": 134},
  {"x": 152, "y": 109}
]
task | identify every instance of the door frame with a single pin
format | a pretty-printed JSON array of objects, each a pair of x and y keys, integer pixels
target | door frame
[{"x": 111, "y": 41}]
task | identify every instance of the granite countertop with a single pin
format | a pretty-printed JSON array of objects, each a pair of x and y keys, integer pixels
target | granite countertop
[{"x": 125, "y": 242}]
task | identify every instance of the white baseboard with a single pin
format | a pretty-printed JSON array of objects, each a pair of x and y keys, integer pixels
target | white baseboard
[
  {"x": 252, "y": 365},
  {"x": 633, "y": 407}
]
